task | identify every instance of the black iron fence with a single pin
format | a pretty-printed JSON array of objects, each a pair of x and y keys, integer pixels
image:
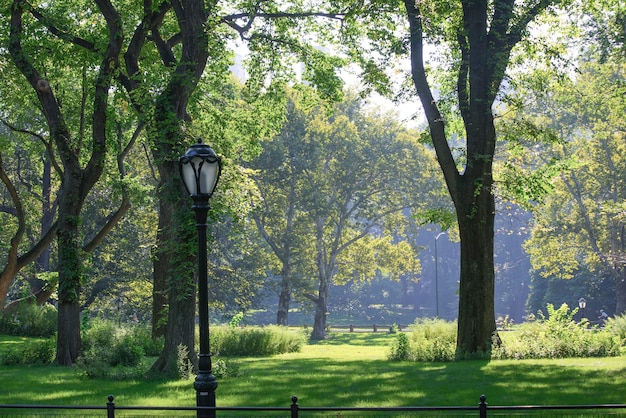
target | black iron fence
[{"x": 481, "y": 410}]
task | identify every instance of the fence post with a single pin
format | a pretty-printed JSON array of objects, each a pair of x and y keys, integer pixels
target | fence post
[
  {"x": 482, "y": 407},
  {"x": 294, "y": 407},
  {"x": 110, "y": 407}
]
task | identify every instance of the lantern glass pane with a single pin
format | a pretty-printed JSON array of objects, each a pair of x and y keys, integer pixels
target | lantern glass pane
[
  {"x": 189, "y": 177},
  {"x": 208, "y": 176}
]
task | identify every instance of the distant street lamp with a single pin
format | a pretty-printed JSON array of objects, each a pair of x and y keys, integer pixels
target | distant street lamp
[
  {"x": 200, "y": 169},
  {"x": 437, "y": 276},
  {"x": 118, "y": 304},
  {"x": 582, "y": 304}
]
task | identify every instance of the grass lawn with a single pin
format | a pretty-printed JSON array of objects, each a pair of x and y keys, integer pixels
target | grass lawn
[{"x": 346, "y": 370}]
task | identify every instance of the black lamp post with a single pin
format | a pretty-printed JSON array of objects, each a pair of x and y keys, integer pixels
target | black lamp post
[
  {"x": 437, "y": 275},
  {"x": 118, "y": 304},
  {"x": 200, "y": 168},
  {"x": 582, "y": 304}
]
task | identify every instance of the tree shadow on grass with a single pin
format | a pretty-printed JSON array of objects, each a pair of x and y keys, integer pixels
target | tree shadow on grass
[{"x": 324, "y": 382}]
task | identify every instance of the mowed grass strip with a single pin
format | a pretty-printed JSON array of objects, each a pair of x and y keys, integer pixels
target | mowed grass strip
[{"x": 348, "y": 370}]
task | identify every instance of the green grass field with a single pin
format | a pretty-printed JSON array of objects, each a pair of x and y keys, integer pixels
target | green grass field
[{"x": 344, "y": 371}]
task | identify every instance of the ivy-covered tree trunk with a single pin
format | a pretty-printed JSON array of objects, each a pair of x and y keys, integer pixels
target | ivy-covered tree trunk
[
  {"x": 69, "y": 342},
  {"x": 161, "y": 268},
  {"x": 76, "y": 182},
  {"x": 174, "y": 268},
  {"x": 169, "y": 143}
]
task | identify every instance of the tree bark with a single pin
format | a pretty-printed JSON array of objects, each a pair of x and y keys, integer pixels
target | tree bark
[
  {"x": 170, "y": 113},
  {"x": 284, "y": 300},
  {"x": 321, "y": 309},
  {"x": 161, "y": 269},
  {"x": 174, "y": 269},
  {"x": 47, "y": 217},
  {"x": 476, "y": 321}
]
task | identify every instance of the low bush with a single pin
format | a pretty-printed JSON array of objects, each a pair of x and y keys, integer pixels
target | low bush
[
  {"x": 29, "y": 352},
  {"x": 255, "y": 341},
  {"x": 617, "y": 326},
  {"x": 428, "y": 340},
  {"x": 107, "y": 346},
  {"x": 29, "y": 320},
  {"x": 557, "y": 335},
  {"x": 552, "y": 335},
  {"x": 433, "y": 340},
  {"x": 401, "y": 348}
]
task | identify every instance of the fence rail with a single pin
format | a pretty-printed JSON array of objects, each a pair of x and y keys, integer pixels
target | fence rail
[
  {"x": 482, "y": 410},
  {"x": 367, "y": 328}
]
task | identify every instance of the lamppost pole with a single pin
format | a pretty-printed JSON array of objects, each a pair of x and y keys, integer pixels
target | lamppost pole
[
  {"x": 582, "y": 304},
  {"x": 118, "y": 304},
  {"x": 437, "y": 276},
  {"x": 205, "y": 383},
  {"x": 200, "y": 169}
]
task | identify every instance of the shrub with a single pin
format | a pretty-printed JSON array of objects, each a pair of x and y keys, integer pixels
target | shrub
[
  {"x": 223, "y": 369},
  {"x": 30, "y": 352},
  {"x": 617, "y": 326},
  {"x": 401, "y": 348},
  {"x": 126, "y": 352},
  {"x": 255, "y": 341},
  {"x": 106, "y": 346},
  {"x": 142, "y": 335},
  {"x": 556, "y": 335},
  {"x": 30, "y": 320},
  {"x": 433, "y": 340}
]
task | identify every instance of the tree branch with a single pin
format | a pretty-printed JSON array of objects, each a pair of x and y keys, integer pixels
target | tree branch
[
  {"x": 435, "y": 120},
  {"x": 61, "y": 34}
]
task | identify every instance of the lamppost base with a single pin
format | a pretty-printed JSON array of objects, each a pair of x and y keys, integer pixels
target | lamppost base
[{"x": 205, "y": 385}]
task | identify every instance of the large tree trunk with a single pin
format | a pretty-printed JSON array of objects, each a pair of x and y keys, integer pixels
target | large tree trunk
[
  {"x": 484, "y": 50},
  {"x": 174, "y": 267},
  {"x": 321, "y": 309},
  {"x": 284, "y": 300},
  {"x": 76, "y": 182},
  {"x": 325, "y": 267},
  {"x": 69, "y": 342},
  {"x": 476, "y": 323},
  {"x": 161, "y": 269}
]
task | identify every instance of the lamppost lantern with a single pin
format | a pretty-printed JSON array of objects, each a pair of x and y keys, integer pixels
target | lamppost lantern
[
  {"x": 582, "y": 303},
  {"x": 200, "y": 169},
  {"x": 437, "y": 274}
]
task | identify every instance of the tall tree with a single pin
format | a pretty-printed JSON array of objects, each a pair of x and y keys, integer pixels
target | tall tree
[
  {"x": 481, "y": 36},
  {"x": 278, "y": 216},
  {"x": 77, "y": 180},
  {"x": 363, "y": 173}
]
